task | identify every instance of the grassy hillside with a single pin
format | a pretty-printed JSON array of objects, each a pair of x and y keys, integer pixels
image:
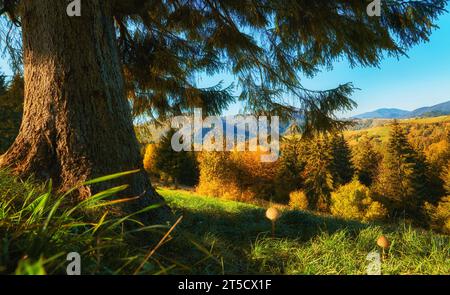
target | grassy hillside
[
  {"x": 379, "y": 129},
  {"x": 38, "y": 228}
]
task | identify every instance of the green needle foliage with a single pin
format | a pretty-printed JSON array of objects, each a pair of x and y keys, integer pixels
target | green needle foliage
[
  {"x": 267, "y": 45},
  {"x": 11, "y": 104},
  {"x": 403, "y": 176},
  {"x": 366, "y": 161},
  {"x": 341, "y": 165}
]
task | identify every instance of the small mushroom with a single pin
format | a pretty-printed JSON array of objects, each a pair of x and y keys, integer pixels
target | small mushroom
[
  {"x": 384, "y": 243},
  {"x": 273, "y": 214}
]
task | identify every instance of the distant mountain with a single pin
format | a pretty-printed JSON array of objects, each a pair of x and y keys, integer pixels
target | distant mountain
[
  {"x": 433, "y": 111},
  {"x": 383, "y": 114}
]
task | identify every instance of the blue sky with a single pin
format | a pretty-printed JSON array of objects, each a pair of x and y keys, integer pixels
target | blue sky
[{"x": 421, "y": 79}]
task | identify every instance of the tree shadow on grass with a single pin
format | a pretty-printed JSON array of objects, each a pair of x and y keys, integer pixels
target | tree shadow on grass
[
  {"x": 248, "y": 224},
  {"x": 228, "y": 237}
]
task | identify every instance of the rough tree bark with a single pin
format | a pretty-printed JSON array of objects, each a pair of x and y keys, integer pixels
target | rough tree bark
[{"x": 77, "y": 122}]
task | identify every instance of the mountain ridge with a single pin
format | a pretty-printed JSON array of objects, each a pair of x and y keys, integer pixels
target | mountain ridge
[{"x": 440, "y": 109}]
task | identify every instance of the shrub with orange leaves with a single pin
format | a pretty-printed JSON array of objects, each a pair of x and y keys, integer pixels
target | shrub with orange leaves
[
  {"x": 236, "y": 175},
  {"x": 216, "y": 177}
]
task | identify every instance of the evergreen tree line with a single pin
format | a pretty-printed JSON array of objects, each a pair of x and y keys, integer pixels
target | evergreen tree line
[
  {"x": 398, "y": 176},
  {"x": 11, "y": 105},
  {"x": 324, "y": 173}
]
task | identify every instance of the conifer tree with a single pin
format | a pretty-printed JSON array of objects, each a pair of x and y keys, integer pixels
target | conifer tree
[
  {"x": 445, "y": 176},
  {"x": 366, "y": 161},
  {"x": 11, "y": 104},
  {"x": 81, "y": 71},
  {"x": 439, "y": 214},
  {"x": 3, "y": 84},
  {"x": 403, "y": 176},
  {"x": 341, "y": 165},
  {"x": 317, "y": 174},
  {"x": 290, "y": 165},
  {"x": 178, "y": 167}
]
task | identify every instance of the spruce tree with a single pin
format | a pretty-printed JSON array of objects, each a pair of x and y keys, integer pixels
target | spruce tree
[
  {"x": 290, "y": 165},
  {"x": 81, "y": 71},
  {"x": 366, "y": 161},
  {"x": 317, "y": 174},
  {"x": 3, "y": 84},
  {"x": 403, "y": 176},
  {"x": 341, "y": 165},
  {"x": 178, "y": 167},
  {"x": 11, "y": 105}
]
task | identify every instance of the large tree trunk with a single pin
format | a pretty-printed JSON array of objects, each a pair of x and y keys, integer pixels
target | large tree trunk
[{"x": 77, "y": 123}]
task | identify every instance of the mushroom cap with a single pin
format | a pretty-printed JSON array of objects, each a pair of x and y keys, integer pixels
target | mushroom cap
[
  {"x": 273, "y": 213},
  {"x": 383, "y": 242}
]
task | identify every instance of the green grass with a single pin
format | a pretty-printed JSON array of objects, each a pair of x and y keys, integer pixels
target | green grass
[
  {"x": 381, "y": 132},
  {"x": 38, "y": 228},
  {"x": 238, "y": 236}
]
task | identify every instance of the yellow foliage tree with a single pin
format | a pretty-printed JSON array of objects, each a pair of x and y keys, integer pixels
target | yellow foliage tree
[
  {"x": 236, "y": 175},
  {"x": 440, "y": 215},
  {"x": 149, "y": 158},
  {"x": 354, "y": 201},
  {"x": 217, "y": 176},
  {"x": 438, "y": 154}
]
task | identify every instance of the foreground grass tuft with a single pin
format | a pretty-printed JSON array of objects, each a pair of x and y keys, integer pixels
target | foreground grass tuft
[{"x": 38, "y": 229}]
